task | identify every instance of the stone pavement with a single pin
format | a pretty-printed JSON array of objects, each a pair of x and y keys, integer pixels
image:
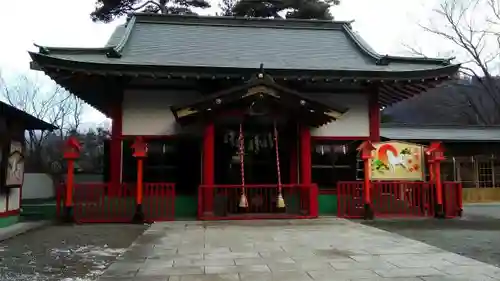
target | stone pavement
[
  {"x": 326, "y": 249},
  {"x": 20, "y": 228}
]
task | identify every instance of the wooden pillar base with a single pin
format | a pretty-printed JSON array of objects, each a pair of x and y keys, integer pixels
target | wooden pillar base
[
  {"x": 68, "y": 215},
  {"x": 439, "y": 213},
  {"x": 139, "y": 214},
  {"x": 368, "y": 214}
]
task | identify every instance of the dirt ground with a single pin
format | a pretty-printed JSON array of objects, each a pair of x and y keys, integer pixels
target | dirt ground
[
  {"x": 63, "y": 252},
  {"x": 475, "y": 235}
]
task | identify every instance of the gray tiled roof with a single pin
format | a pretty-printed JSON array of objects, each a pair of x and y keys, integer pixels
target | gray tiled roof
[
  {"x": 232, "y": 42},
  {"x": 453, "y": 133}
]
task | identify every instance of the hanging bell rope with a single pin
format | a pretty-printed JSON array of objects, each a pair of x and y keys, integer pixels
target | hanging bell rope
[
  {"x": 281, "y": 202},
  {"x": 241, "y": 152}
]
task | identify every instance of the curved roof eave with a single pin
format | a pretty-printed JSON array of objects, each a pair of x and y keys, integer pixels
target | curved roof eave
[
  {"x": 363, "y": 46},
  {"x": 44, "y": 60}
]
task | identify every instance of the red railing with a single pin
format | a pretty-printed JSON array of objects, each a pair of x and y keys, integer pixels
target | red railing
[
  {"x": 398, "y": 199},
  {"x": 350, "y": 199},
  {"x": 452, "y": 198},
  {"x": 102, "y": 203},
  {"x": 159, "y": 201},
  {"x": 222, "y": 202}
]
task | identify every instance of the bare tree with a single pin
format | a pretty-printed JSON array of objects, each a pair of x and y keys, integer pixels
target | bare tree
[
  {"x": 472, "y": 28},
  {"x": 48, "y": 102}
]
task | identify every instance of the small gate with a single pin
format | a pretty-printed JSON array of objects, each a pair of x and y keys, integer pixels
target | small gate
[
  {"x": 222, "y": 202},
  {"x": 398, "y": 199},
  {"x": 99, "y": 203}
]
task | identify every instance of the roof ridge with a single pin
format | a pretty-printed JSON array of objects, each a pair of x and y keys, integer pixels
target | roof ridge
[{"x": 238, "y": 21}]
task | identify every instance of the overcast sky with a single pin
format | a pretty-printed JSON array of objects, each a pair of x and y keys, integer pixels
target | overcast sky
[{"x": 385, "y": 24}]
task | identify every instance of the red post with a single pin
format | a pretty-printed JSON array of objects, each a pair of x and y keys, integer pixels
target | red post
[
  {"x": 69, "y": 183},
  {"x": 293, "y": 165},
  {"x": 71, "y": 153},
  {"x": 436, "y": 155},
  {"x": 139, "y": 181},
  {"x": 208, "y": 167},
  {"x": 366, "y": 149},
  {"x": 367, "y": 193},
  {"x": 439, "y": 185},
  {"x": 140, "y": 150}
]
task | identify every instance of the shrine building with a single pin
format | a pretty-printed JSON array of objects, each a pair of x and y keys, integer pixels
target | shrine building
[
  {"x": 13, "y": 124},
  {"x": 239, "y": 104}
]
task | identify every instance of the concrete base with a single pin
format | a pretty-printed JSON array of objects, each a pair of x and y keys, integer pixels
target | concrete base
[
  {"x": 138, "y": 215},
  {"x": 68, "y": 215},
  {"x": 368, "y": 215},
  {"x": 439, "y": 211}
]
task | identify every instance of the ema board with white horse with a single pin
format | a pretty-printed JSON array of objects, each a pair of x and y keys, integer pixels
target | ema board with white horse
[{"x": 397, "y": 161}]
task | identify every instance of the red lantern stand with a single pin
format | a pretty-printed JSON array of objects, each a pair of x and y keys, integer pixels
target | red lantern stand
[
  {"x": 435, "y": 154},
  {"x": 72, "y": 149},
  {"x": 366, "y": 149},
  {"x": 140, "y": 152}
]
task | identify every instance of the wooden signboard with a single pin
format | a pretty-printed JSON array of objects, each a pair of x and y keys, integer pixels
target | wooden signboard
[{"x": 395, "y": 160}]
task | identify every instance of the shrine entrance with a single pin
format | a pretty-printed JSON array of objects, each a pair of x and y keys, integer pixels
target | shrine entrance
[
  {"x": 259, "y": 155},
  {"x": 252, "y": 139}
]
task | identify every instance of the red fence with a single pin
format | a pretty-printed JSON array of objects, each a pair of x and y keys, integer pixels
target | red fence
[
  {"x": 98, "y": 202},
  {"x": 222, "y": 202},
  {"x": 398, "y": 199}
]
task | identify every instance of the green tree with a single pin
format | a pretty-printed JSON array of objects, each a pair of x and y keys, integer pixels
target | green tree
[
  {"x": 298, "y": 9},
  {"x": 108, "y": 10}
]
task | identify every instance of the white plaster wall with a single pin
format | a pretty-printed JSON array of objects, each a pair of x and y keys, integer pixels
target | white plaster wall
[
  {"x": 354, "y": 123},
  {"x": 37, "y": 186},
  {"x": 3, "y": 203},
  {"x": 148, "y": 112},
  {"x": 14, "y": 197}
]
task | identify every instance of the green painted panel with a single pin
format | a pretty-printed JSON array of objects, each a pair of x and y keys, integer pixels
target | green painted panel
[
  {"x": 8, "y": 221},
  {"x": 43, "y": 211},
  {"x": 186, "y": 206},
  {"x": 327, "y": 204}
]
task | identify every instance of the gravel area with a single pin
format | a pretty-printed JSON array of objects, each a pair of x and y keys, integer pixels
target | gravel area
[
  {"x": 65, "y": 252},
  {"x": 476, "y": 235}
]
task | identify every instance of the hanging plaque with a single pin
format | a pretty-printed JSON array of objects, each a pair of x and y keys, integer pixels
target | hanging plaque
[{"x": 14, "y": 173}]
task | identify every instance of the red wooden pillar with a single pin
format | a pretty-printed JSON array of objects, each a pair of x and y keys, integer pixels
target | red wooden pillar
[
  {"x": 294, "y": 176},
  {"x": 366, "y": 149},
  {"x": 71, "y": 153},
  {"x": 140, "y": 149},
  {"x": 306, "y": 169},
  {"x": 115, "y": 152},
  {"x": 208, "y": 167},
  {"x": 305, "y": 155},
  {"x": 436, "y": 155},
  {"x": 374, "y": 115}
]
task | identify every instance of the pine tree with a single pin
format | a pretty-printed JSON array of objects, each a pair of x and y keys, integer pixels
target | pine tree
[
  {"x": 108, "y": 10},
  {"x": 299, "y": 9}
]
